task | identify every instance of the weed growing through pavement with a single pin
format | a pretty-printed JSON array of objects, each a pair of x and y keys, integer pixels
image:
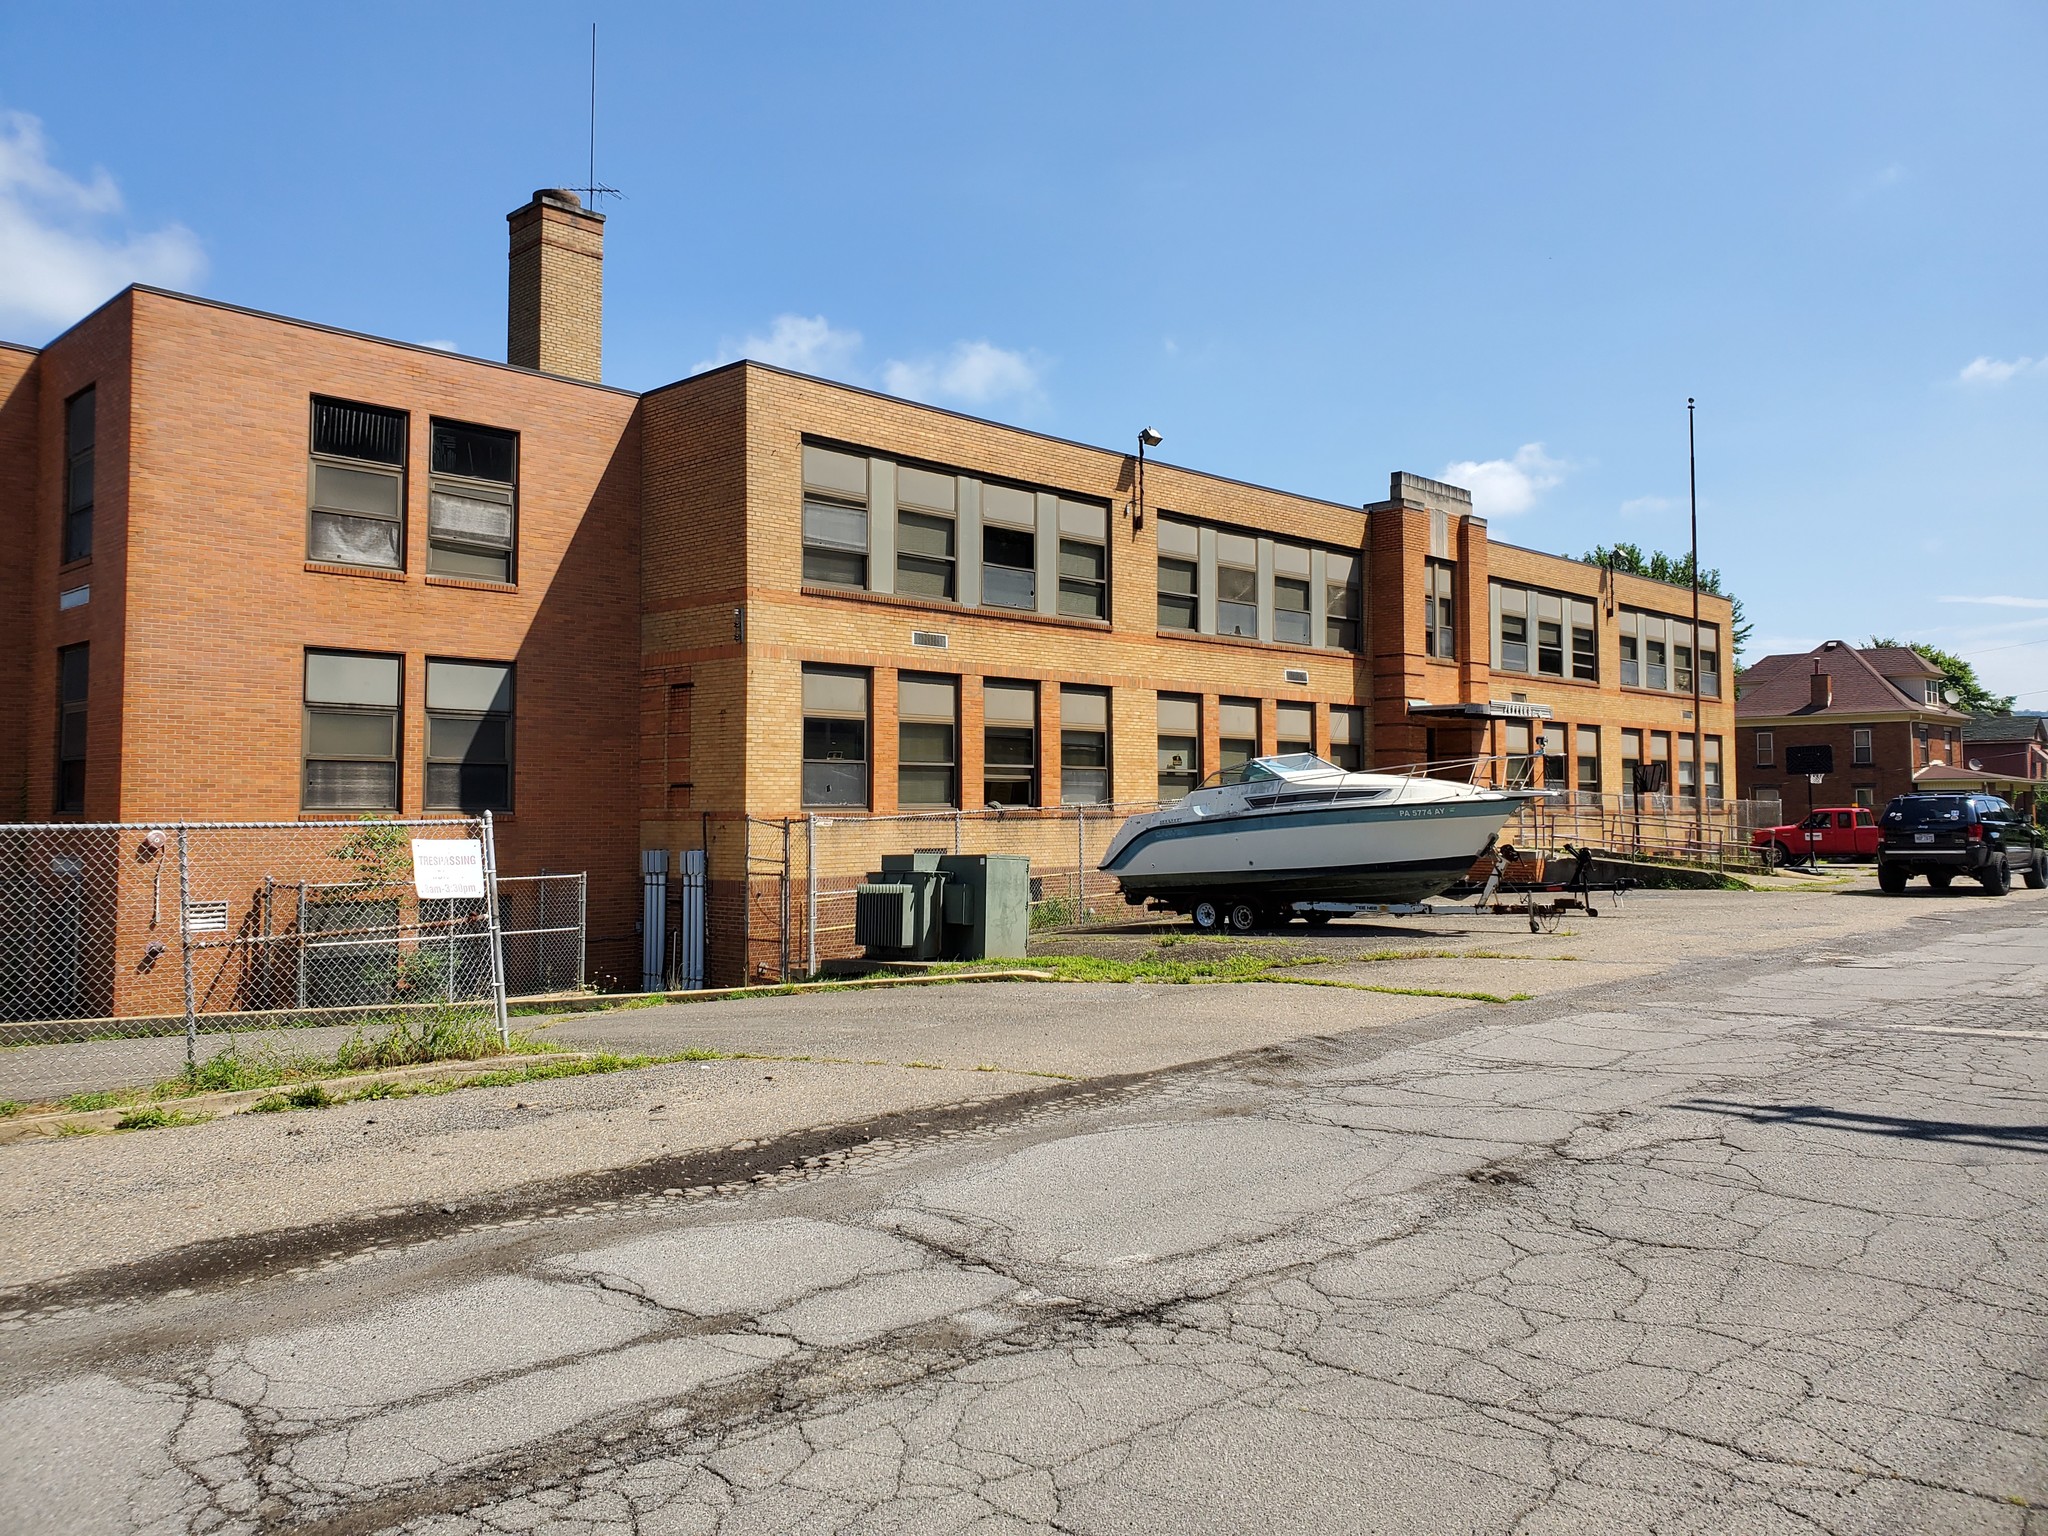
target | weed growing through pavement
[{"x": 152, "y": 1117}]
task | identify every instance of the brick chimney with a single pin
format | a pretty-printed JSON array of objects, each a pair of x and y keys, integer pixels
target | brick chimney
[
  {"x": 555, "y": 314},
  {"x": 1821, "y": 688}
]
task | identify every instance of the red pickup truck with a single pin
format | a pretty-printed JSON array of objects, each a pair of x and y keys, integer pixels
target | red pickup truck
[{"x": 1836, "y": 832}]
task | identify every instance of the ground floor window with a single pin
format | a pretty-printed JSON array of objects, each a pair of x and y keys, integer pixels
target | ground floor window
[
  {"x": 1180, "y": 744},
  {"x": 1084, "y": 746},
  {"x": 1294, "y": 728},
  {"x": 1347, "y": 737},
  {"x": 835, "y": 744},
  {"x": 1009, "y": 744},
  {"x": 927, "y": 741},
  {"x": 350, "y": 740},
  {"x": 1521, "y": 765},
  {"x": 1556, "y": 754},
  {"x": 1589, "y": 760},
  {"x": 1237, "y": 723},
  {"x": 1866, "y": 796},
  {"x": 1631, "y": 765},
  {"x": 469, "y": 736},
  {"x": 73, "y": 668}
]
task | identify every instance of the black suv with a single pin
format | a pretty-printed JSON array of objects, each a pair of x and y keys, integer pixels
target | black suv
[{"x": 1942, "y": 836}]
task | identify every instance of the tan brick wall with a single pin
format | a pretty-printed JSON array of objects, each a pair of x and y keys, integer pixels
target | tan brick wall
[{"x": 555, "y": 298}]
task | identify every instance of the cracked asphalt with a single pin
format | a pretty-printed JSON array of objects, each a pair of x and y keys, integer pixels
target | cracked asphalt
[{"x": 1719, "y": 1245}]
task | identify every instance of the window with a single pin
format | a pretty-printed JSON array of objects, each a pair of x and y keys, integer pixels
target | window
[
  {"x": 1660, "y": 761},
  {"x": 469, "y": 736},
  {"x": 1631, "y": 650},
  {"x": 1866, "y": 799},
  {"x": 1521, "y": 762},
  {"x": 1009, "y": 548},
  {"x": 1766, "y": 748},
  {"x": 1343, "y": 604},
  {"x": 927, "y": 740},
  {"x": 357, "y": 512},
  {"x": 1688, "y": 773},
  {"x": 1294, "y": 728},
  {"x": 1237, "y": 586},
  {"x": 1920, "y": 746},
  {"x": 1084, "y": 746},
  {"x": 1237, "y": 723},
  {"x": 1439, "y": 611},
  {"x": 80, "y": 429},
  {"x": 1549, "y": 633},
  {"x": 1710, "y": 661},
  {"x": 1631, "y": 764},
  {"x": 1179, "y": 576},
  {"x": 1930, "y": 690},
  {"x": 1589, "y": 760},
  {"x": 1084, "y": 560},
  {"x": 1290, "y": 595},
  {"x": 73, "y": 670},
  {"x": 472, "y": 517},
  {"x": 1585, "y": 642},
  {"x": 1681, "y": 656},
  {"x": 1556, "y": 756},
  {"x": 1859, "y": 746},
  {"x": 1180, "y": 744},
  {"x": 925, "y": 509},
  {"x": 1347, "y": 737},
  {"x": 835, "y": 521},
  {"x": 1009, "y": 744},
  {"x": 1769, "y": 805},
  {"x": 835, "y": 702},
  {"x": 351, "y": 732},
  {"x": 1656, "y": 670},
  {"x": 1512, "y": 654}
]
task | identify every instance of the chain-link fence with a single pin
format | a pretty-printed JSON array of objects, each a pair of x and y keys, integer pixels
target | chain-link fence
[{"x": 132, "y": 954}]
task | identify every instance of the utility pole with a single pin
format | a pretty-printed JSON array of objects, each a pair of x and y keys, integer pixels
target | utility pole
[{"x": 1699, "y": 759}]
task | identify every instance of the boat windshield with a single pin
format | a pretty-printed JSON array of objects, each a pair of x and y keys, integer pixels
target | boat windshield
[{"x": 1295, "y": 765}]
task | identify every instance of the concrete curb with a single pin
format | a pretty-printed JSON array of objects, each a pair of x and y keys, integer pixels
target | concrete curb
[
  {"x": 598, "y": 1002},
  {"x": 242, "y": 1100}
]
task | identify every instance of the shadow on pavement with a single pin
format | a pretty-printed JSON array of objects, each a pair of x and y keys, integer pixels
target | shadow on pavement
[{"x": 2025, "y": 1138}]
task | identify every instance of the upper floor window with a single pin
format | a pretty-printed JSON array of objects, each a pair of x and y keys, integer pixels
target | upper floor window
[
  {"x": 73, "y": 673},
  {"x": 472, "y": 509},
  {"x": 350, "y": 741},
  {"x": 835, "y": 526},
  {"x": 357, "y": 510},
  {"x": 1439, "y": 611},
  {"x": 927, "y": 510},
  {"x": 1180, "y": 605},
  {"x": 1766, "y": 749},
  {"x": 469, "y": 736},
  {"x": 1084, "y": 560},
  {"x": 1859, "y": 745},
  {"x": 1009, "y": 548},
  {"x": 81, "y": 428},
  {"x": 1291, "y": 595},
  {"x": 1237, "y": 585},
  {"x": 1658, "y": 651},
  {"x": 1343, "y": 603},
  {"x": 1931, "y": 689}
]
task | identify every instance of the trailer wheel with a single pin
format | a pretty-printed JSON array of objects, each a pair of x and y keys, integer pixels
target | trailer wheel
[
  {"x": 1207, "y": 916},
  {"x": 1243, "y": 917}
]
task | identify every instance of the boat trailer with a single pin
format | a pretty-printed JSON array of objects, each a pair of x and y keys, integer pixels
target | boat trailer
[{"x": 1515, "y": 884}]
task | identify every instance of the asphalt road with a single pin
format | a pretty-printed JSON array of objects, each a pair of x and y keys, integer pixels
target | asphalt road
[{"x": 1705, "y": 1245}]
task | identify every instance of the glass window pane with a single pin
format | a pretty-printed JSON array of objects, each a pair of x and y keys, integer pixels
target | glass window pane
[
  {"x": 476, "y": 453},
  {"x": 353, "y": 540},
  {"x": 1237, "y": 619},
  {"x": 828, "y": 740},
  {"x": 1009, "y": 787},
  {"x": 1004, "y": 588},
  {"x": 918, "y": 534},
  {"x": 1009, "y": 546},
  {"x": 71, "y": 734},
  {"x": 364, "y": 491},
  {"x": 1177, "y": 576},
  {"x": 917, "y": 576},
  {"x": 79, "y": 422},
  {"x": 469, "y": 519},
  {"x": 79, "y": 481},
  {"x": 835, "y": 568},
  {"x": 1009, "y": 746},
  {"x": 479, "y": 685},
  {"x": 469, "y": 786},
  {"x": 480, "y": 564},
  {"x": 341, "y": 733},
  {"x": 924, "y": 785},
  {"x": 1237, "y": 585},
  {"x": 1083, "y": 599},
  {"x": 836, "y": 526},
  {"x": 73, "y": 667},
  {"x": 469, "y": 738},
  {"x": 351, "y": 786},
  {"x": 1087, "y": 561},
  {"x": 1084, "y": 749},
  {"x": 836, "y": 783},
  {"x": 1084, "y": 786},
  {"x": 1178, "y": 612},
  {"x": 337, "y": 677}
]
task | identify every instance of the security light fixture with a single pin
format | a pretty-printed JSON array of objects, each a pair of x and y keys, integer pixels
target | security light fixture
[{"x": 1150, "y": 437}]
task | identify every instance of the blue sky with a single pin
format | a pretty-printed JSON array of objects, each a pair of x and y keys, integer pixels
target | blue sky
[{"x": 1311, "y": 244}]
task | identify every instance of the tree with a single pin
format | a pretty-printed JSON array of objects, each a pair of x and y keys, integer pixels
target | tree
[
  {"x": 1972, "y": 697},
  {"x": 1676, "y": 569}
]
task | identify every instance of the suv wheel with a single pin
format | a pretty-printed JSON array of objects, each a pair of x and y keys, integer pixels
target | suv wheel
[
  {"x": 1997, "y": 876},
  {"x": 2037, "y": 872},
  {"x": 1891, "y": 879}
]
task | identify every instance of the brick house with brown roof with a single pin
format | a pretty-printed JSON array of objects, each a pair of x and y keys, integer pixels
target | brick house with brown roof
[{"x": 1879, "y": 707}]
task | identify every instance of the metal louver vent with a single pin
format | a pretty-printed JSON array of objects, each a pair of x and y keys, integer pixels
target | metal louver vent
[
  {"x": 929, "y": 639},
  {"x": 1298, "y": 675},
  {"x": 206, "y": 917}
]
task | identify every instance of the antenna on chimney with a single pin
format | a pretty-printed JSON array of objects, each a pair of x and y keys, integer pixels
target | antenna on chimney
[{"x": 595, "y": 189}]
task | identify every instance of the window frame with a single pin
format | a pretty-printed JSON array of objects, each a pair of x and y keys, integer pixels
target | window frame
[
  {"x": 1766, "y": 749},
  {"x": 905, "y": 723},
  {"x": 1862, "y": 747},
  {"x": 1008, "y": 773},
  {"x": 1225, "y": 745},
  {"x": 1029, "y": 571},
  {"x": 1069, "y": 735},
  {"x": 1239, "y": 573},
  {"x": 429, "y": 761},
  {"x": 1440, "y": 610},
  {"x": 401, "y": 472},
  {"x": 834, "y": 499},
  {"x": 75, "y": 548},
  {"x": 1349, "y": 614},
  {"x": 1353, "y": 746},
  {"x": 1586, "y": 783},
  {"x": 65, "y": 802},
  {"x": 474, "y": 488},
  {"x": 917, "y": 564},
  {"x": 1192, "y": 597},
  {"x": 866, "y": 718},
  {"x": 1192, "y": 772},
  {"x": 1284, "y": 744},
  {"x": 394, "y": 712}
]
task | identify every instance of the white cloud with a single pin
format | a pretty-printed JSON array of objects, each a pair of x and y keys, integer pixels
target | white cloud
[
  {"x": 800, "y": 343},
  {"x": 1504, "y": 487},
  {"x": 973, "y": 373},
  {"x": 64, "y": 248},
  {"x": 1992, "y": 371},
  {"x": 970, "y": 373},
  {"x": 2002, "y": 602},
  {"x": 1647, "y": 506}
]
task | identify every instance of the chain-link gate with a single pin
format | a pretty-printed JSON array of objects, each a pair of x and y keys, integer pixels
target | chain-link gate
[{"x": 131, "y": 954}]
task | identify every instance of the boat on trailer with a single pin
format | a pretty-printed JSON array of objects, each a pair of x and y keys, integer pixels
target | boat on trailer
[{"x": 1281, "y": 834}]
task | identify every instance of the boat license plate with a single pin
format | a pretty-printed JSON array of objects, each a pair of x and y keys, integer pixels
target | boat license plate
[{"x": 1923, "y": 837}]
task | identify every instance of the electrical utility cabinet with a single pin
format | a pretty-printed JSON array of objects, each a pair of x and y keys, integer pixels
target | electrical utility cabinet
[{"x": 930, "y": 905}]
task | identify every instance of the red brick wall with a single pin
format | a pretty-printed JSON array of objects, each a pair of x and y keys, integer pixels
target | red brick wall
[{"x": 20, "y": 515}]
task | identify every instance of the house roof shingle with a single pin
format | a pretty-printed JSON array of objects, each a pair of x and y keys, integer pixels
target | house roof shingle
[
  {"x": 1777, "y": 686},
  {"x": 2007, "y": 728}
]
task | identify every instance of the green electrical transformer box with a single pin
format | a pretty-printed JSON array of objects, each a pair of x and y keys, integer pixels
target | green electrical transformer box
[{"x": 987, "y": 905}]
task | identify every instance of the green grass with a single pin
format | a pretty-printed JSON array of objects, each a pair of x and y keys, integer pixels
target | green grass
[
  {"x": 305, "y": 1096},
  {"x": 86, "y": 1103},
  {"x": 152, "y": 1117},
  {"x": 9, "y": 1108}
]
